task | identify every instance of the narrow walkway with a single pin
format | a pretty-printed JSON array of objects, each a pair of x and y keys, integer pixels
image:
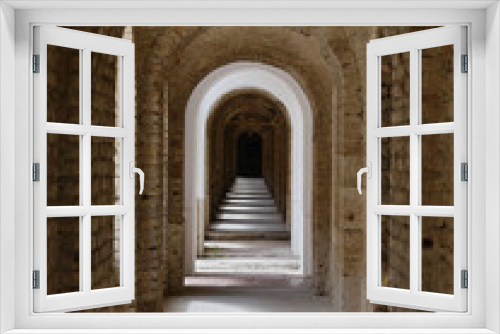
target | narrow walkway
[
  {"x": 248, "y": 235},
  {"x": 223, "y": 299},
  {"x": 246, "y": 293},
  {"x": 247, "y": 264}
]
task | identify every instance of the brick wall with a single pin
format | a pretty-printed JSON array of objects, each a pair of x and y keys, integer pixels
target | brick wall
[{"x": 330, "y": 64}]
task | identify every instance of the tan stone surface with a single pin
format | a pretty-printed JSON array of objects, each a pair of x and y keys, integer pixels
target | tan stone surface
[{"x": 330, "y": 64}]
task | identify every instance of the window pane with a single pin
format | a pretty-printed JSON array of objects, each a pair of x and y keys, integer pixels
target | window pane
[
  {"x": 63, "y": 255},
  {"x": 437, "y": 254},
  {"x": 63, "y": 170},
  {"x": 106, "y": 251},
  {"x": 437, "y": 84},
  {"x": 395, "y": 81},
  {"x": 63, "y": 85},
  {"x": 395, "y": 165},
  {"x": 105, "y": 90},
  {"x": 106, "y": 164},
  {"x": 437, "y": 169},
  {"x": 395, "y": 242}
]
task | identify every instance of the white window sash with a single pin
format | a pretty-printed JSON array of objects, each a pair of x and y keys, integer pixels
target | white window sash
[
  {"x": 414, "y": 298},
  {"x": 86, "y": 298}
]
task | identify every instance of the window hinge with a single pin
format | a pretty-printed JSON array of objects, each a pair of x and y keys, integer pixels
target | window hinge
[
  {"x": 464, "y": 279},
  {"x": 464, "y": 171},
  {"x": 36, "y": 63},
  {"x": 465, "y": 63},
  {"x": 36, "y": 279},
  {"x": 36, "y": 172}
]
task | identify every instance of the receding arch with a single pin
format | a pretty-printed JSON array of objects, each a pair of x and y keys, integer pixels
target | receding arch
[{"x": 283, "y": 87}]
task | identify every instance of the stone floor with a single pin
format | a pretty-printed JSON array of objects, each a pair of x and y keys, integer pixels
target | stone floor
[
  {"x": 199, "y": 299},
  {"x": 247, "y": 265},
  {"x": 248, "y": 257},
  {"x": 269, "y": 293},
  {"x": 248, "y": 235},
  {"x": 248, "y": 248}
]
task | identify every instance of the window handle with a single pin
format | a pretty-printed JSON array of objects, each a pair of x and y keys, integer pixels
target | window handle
[
  {"x": 139, "y": 171},
  {"x": 368, "y": 171}
]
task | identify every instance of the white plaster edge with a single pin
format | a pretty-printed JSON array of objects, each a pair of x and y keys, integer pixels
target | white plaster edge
[
  {"x": 492, "y": 160},
  {"x": 7, "y": 167},
  {"x": 243, "y": 4},
  {"x": 253, "y": 331}
]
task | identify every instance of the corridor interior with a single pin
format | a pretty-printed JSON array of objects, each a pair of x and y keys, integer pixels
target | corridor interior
[
  {"x": 247, "y": 264},
  {"x": 246, "y": 260},
  {"x": 244, "y": 255},
  {"x": 249, "y": 235}
]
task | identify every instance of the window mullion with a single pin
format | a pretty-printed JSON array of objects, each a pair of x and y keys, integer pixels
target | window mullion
[
  {"x": 85, "y": 171},
  {"x": 82, "y": 182},
  {"x": 414, "y": 171},
  {"x": 460, "y": 155}
]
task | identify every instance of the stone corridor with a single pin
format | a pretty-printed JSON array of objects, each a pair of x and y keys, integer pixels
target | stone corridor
[
  {"x": 248, "y": 235},
  {"x": 246, "y": 225}
]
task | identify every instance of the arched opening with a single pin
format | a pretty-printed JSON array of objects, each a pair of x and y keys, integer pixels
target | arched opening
[
  {"x": 280, "y": 86},
  {"x": 329, "y": 63},
  {"x": 248, "y": 136},
  {"x": 248, "y": 188},
  {"x": 249, "y": 155}
]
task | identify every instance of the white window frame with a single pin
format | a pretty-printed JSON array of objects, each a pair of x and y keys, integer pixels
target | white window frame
[
  {"x": 85, "y": 43},
  {"x": 484, "y": 213},
  {"x": 413, "y": 43}
]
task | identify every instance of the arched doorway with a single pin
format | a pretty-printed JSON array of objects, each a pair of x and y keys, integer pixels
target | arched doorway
[
  {"x": 281, "y": 86},
  {"x": 248, "y": 188}
]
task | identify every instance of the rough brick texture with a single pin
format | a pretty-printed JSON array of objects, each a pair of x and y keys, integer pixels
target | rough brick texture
[{"x": 330, "y": 65}]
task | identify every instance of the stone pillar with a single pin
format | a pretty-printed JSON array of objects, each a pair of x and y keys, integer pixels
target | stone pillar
[{"x": 151, "y": 157}]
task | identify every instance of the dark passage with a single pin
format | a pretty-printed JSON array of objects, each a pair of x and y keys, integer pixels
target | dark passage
[{"x": 250, "y": 155}]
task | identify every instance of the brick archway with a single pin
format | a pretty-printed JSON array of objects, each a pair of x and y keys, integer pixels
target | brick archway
[{"x": 206, "y": 95}]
